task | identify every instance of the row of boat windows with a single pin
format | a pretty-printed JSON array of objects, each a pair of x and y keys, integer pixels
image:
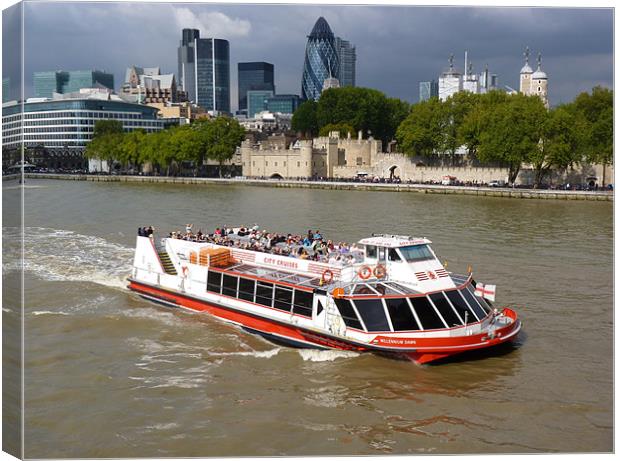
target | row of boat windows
[
  {"x": 446, "y": 309},
  {"x": 268, "y": 294}
]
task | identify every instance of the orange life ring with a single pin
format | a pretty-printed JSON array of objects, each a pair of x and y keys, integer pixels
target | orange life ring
[
  {"x": 185, "y": 270},
  {"x": 325, "y": 278},
  {"x": 365, "y": 272},
  {"x": 379, "y": 271}
]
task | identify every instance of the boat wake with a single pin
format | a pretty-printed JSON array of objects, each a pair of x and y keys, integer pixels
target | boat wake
[
  {"x": 316, "y": 355},
  {"x": 260, "y": 354},
  {"x": 62, "y": 255}
]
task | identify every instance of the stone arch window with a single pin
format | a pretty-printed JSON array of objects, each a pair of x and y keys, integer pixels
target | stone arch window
[{"x": 538, "y": 88}]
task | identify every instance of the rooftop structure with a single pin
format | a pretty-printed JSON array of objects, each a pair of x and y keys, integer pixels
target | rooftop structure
[
  {"x": 148, "y": 85},
  {"x": 49, "y": 82}
]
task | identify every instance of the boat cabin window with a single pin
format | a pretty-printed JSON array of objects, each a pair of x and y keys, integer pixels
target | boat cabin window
[
  {"x": 477, "y": 300},
  {"x": 283, "y": 299},
  {"x": 445, "y": 309},
  {"x": 246, "y": 289},
  {"x": 229, "y": 286},
  {"x": 371, "y": 251},
  {"x": 303, "y": 303},
  {"x": 427, "y": 315},
  {"x": 348, "y": 314},
  {"x": 393, "y": 255},
  {"x": 373, "y": 314},
  {"x": 381, "y": 254},
  {"x": 264, "y": 293},
  {"x": 416, "y": 253},
  {"x": 461, "y": 306},
  {"x": 214, "y": 282},
  {"x": 401, "y": 315}
]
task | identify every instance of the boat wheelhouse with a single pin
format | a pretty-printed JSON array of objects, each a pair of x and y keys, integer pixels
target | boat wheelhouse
[{"x": 393, "y": 296}]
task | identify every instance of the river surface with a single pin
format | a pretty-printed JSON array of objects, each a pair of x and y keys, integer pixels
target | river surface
[{"x": 108, "y": 374}]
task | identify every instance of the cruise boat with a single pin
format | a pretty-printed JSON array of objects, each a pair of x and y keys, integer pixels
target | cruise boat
[{"x": 393, "y": 297}]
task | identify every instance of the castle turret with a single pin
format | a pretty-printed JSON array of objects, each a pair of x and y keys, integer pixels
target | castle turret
[
  {"x": 539, "y": 82},
  {"x": 525, "y": 82}
]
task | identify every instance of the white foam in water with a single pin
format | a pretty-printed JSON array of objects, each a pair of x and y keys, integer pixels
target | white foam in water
[
  {"x": 318, "y": 355},
  {"x": 49, "y": 313},
  {"x": 260, "y": 354},
  {"x": 62, "y": 255}
]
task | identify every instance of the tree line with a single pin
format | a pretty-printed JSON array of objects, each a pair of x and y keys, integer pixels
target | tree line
[
  {"x": 215, "y": 139},
  {"x": 512, "y": 129}
]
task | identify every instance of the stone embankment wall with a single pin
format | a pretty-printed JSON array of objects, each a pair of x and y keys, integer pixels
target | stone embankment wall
[{"x": 420, "y": 188}]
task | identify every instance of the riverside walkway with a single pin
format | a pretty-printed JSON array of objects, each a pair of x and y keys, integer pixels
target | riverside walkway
[{"x": 344, "y": 185}]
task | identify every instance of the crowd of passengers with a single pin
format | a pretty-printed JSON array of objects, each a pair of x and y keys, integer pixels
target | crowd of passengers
[{"x": 311, "y": 246}]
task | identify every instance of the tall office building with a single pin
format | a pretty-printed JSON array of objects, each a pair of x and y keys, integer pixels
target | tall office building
[
  {"x": 429, "y": 90},
  {"x": 254, "y": 76},
  {"x": 347, "y": 58},
  {"x": 204, "y": 70},
  {"x": 47, "y": 83},
  {"x": 321, "y": 60}
]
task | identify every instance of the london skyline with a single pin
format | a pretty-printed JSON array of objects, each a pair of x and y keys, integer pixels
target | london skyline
[{"x": 397, "y": 46}]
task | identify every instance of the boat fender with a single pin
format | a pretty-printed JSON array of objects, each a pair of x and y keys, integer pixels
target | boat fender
[
  {"x": 327, "y": 276},
  {"x": 185, "y": 270},
  {"x": 365, "y": 272},
  {"x": 379, "y": 271}
]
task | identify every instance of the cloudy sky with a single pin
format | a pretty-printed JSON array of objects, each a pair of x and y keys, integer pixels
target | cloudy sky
[{"x": 397, "y": 46}]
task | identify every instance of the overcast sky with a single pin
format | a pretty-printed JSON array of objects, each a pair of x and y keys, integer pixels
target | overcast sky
[{"x": 397, "y": 46}]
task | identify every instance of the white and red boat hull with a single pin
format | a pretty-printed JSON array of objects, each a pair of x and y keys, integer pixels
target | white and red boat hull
[{"x": 418, "y": 348}]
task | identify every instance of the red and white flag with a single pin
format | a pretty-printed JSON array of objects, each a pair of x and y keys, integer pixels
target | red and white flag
[{"x": 485, "y": 291}]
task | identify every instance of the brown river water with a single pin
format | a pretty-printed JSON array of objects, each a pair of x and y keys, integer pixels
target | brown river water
[{"x": 108, "y": 374}]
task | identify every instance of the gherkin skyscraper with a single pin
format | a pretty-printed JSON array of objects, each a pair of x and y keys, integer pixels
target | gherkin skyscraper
[{"x": 321, "y": 61}]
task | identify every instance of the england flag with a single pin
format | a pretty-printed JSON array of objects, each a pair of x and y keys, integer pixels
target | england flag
[{"x": 485, "y": 291}]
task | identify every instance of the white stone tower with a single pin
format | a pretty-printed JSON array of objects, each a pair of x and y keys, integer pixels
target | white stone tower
[
  {"x": 525, "y": 83},
  {"x": 539, "y": 83}
]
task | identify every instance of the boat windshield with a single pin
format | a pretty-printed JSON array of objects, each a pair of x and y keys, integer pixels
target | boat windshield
[{"x": 415, "y": 253}]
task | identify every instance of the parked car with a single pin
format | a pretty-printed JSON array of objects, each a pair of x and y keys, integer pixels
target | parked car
[{"x": 448, "y": 180}]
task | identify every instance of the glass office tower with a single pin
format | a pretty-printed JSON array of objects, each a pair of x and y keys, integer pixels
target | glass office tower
[
  {"x": 321, "y": 60},
  {"x": 347, "y": 57},
  {"x": 204, "y": 70},
  {"x": 254, "y": 76}
]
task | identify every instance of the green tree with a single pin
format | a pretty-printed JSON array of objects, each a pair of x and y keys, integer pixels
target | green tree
[
  {"x": 131, "y": 146},
  {"x": 222, "y": 137},
  {"x": 559, "y": 143},
  {"x": 106, "y": 142},
  {"x": 511, "y": 132},
  {"x": 151, "y": 151},
  {"x": 471, "y": 126},
  {"x": 455, "y": 111},
  {"x": 597, "y": 110},
  {"x": 343, "y": 128},
  {"x": 364, "y": 109},
  {"x": 421, "y": 132},
  {"x": 304, "y": 119}
]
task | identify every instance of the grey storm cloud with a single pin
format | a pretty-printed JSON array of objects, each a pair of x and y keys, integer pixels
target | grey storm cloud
[{"x": 397, "y": 46}]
